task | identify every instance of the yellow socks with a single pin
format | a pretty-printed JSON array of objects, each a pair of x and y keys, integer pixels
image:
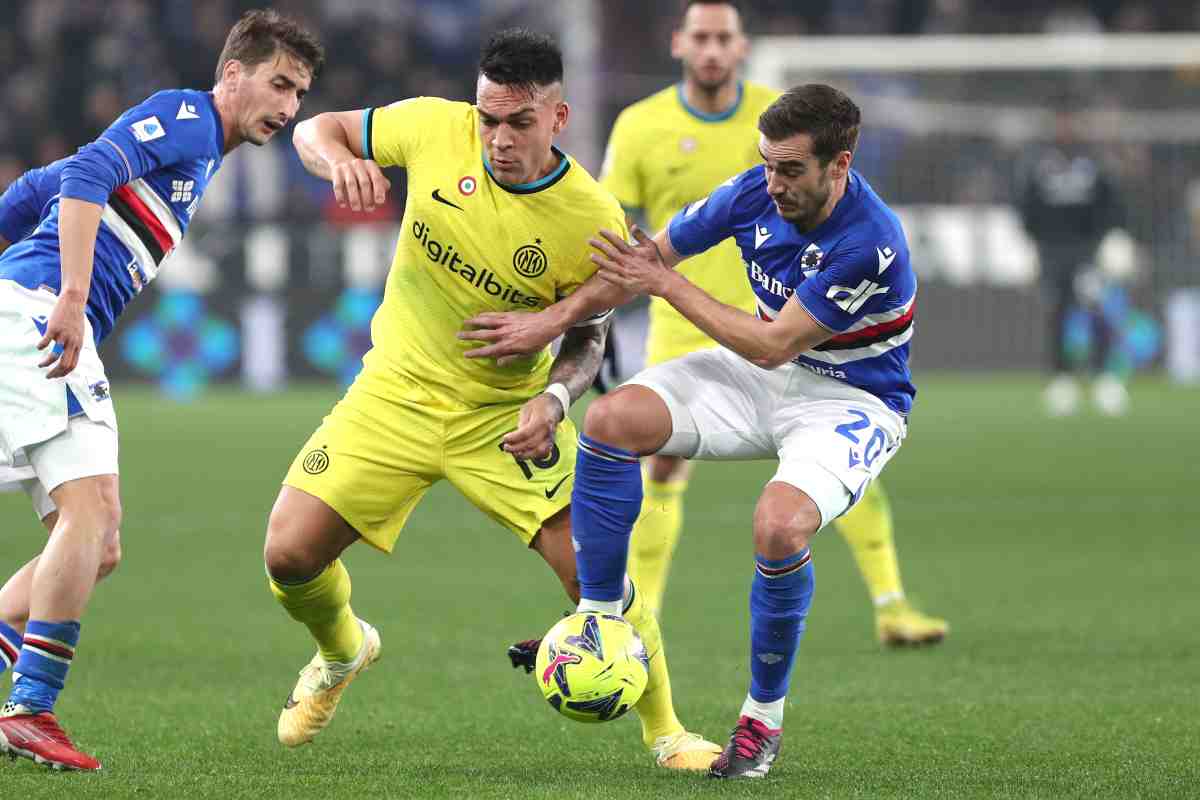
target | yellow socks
[
  {"x": 867, "y": 528},
  {"x": 654, "y": 538},
  {"x": 655, "y": 708},
  {"x": 323, "y": 604}
]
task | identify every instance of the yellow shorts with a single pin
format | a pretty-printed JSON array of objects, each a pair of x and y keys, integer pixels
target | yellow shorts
[{"x": 376, "y": 453}]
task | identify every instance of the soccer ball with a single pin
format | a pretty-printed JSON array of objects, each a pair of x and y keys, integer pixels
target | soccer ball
[{"x": 592, "y": 667}]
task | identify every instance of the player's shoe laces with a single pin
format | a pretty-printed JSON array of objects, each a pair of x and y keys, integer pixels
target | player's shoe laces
[
  {"x": 39, "y": 737},
  {"x": 683, "y": 750},
  {"x": 311, "y": 705},
  {"x": 751, "y": 750},
  {"x": 898, "y": 624}
]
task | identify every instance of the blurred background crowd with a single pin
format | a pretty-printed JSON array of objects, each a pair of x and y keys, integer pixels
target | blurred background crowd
[
  {"x": 71, "y": 66},
  {"x": 956, "y": 151}
]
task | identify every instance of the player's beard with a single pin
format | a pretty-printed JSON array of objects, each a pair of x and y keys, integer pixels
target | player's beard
[
  {"x": 804, "y": 217},
  {"x": 710, "y": 86}
]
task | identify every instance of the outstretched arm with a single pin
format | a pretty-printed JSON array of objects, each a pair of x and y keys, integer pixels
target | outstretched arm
[
  {"x": 514, "y": 333},
  {"x": 574, "y": 369},
  {"x": 330, "y": 147},
  {"x": 644, "y": 268}
]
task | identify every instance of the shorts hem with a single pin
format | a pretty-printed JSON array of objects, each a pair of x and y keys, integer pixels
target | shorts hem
[{"x": 364, "y": 531}]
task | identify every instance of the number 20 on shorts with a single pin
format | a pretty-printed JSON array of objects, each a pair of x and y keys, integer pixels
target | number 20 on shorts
[{"x": 875, "y": 443}]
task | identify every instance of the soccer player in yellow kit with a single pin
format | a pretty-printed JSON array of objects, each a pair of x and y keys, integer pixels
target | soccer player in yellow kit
[
  {"x": 666, "y": 151},
  {"x": 496, "y": 218}
]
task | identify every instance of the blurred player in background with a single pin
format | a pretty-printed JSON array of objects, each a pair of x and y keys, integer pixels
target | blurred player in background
[
  {"x": 107, "y": 219},
  {"x": 496, "y": 218},
  {"x": 1068, "y": 203},
  {"x": 666, "y": 151}
]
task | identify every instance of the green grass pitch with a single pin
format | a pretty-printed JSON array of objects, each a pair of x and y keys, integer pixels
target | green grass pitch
[{"x": 1064, "y": 552}]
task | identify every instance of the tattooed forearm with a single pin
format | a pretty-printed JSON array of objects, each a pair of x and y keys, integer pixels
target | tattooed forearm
[{"x": 579, "y": 358}]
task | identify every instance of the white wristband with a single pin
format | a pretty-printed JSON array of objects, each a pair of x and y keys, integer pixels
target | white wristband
[{"x": 561, "y": 394}]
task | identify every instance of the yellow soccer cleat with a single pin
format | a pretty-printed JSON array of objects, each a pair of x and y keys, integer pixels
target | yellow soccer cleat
[
  {"x": 311, "y": 705},
  {"x": 898, "y": 624},
  {"x": 683, "y": 750}
]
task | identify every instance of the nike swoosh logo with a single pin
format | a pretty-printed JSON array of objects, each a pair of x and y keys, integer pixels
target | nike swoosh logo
[
  {"x": 437, "y": 196},
  {"x": 551, "y": 492}
]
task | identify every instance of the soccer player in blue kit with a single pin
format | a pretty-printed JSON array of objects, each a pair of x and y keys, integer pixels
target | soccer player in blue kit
[
  {"x": 817, "y": 378},
  {"x": 121, "y": 206}
]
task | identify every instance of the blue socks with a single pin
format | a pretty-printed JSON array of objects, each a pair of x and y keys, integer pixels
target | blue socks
[
  {"x": 45, "y": 658},
  {"x": 779, "y": 600},
  {"x": 605, "y": 504},
  {"x": 10, "y": 646}
]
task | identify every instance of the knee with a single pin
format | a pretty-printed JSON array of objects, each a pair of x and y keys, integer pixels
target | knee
[
  {"x": 780, "y": 530},
  {"x": 111, "y": 556},
  {"x": 110, "y": 512},
  {"x": 632, "y": 418},
  {"x": 284, "y": 552},
  {"x": 604, "y": 421},
  {"x": 90, "y": 508}
]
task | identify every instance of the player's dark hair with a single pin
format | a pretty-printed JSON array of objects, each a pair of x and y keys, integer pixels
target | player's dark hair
[
  {"x": 521, "y": 58},
  {"x": 261, "y": 32},
  {"x": 827, "y": 115},
  {"x": 736, "y": 5}
]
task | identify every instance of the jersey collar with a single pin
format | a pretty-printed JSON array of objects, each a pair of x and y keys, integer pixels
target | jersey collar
[
  {"x": 704, "y": 116},
  {"x": 564, "y": 163}
]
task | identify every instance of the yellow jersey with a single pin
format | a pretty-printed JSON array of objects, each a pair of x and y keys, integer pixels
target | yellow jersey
[
  {"x": 469, "y": 244},
  {"x": 662, "y": 155}
]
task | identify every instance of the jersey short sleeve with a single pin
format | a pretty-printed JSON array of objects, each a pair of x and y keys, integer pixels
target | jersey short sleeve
[
  {"x": 706, "y": 222},
  {"x": 393, "y": 135},
  {"x": 584, "y": 268},
  {"x": 619, "y": 173},
  {"x": 167, "y": 128},
  {"x": 849, "y": 288}
]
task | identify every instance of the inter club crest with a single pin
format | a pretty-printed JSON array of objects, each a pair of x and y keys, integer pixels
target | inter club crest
[{"x": 530, "y": 260}]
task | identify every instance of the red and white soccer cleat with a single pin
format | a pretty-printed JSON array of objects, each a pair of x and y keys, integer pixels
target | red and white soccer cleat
[{"x": 39, "y": 737}]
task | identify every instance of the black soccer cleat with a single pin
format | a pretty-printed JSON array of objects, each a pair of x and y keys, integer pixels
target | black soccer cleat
[
  {"x": 751, "y": 750},
  {"x": 524, "y": 654}
]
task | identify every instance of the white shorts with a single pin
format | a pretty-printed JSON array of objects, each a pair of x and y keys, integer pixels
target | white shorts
[
  {"x": 84, "y": 449},
  {"x": 40, "y": 449},
  {"x": 831, "y": 438}
]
